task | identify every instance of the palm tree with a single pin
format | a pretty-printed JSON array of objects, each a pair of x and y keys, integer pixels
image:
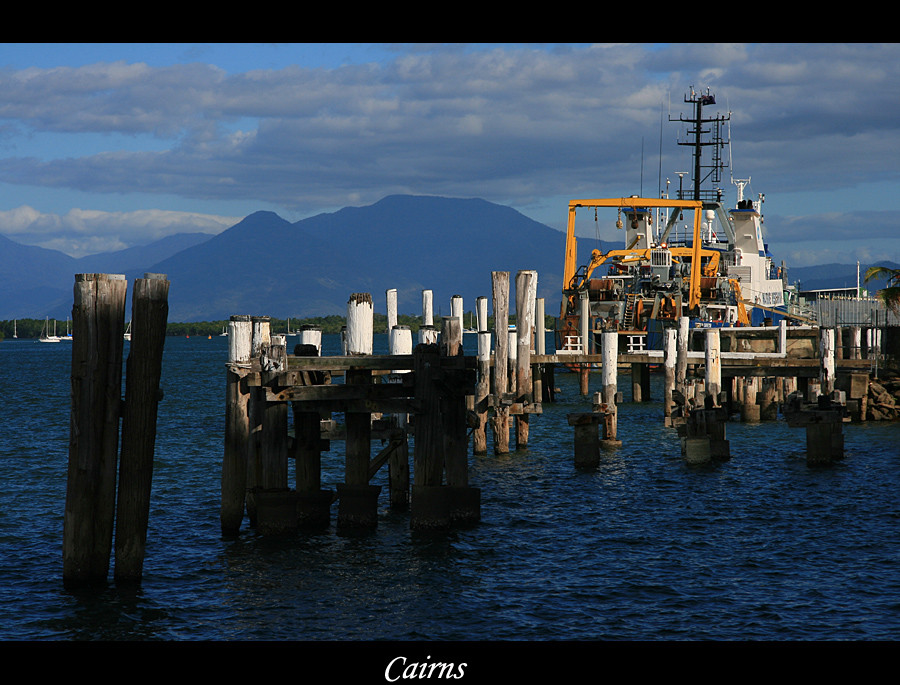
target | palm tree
[{"x": 890, "y": 294}]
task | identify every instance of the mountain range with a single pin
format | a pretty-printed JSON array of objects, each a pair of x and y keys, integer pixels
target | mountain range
[{"x": 265, "y": 265}]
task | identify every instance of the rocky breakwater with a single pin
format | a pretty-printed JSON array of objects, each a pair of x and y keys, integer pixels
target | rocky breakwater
[{"x": 883, "y": 398}]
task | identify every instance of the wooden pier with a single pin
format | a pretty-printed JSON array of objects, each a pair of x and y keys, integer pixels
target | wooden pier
[
  {"x": 432, "y": 393},
  {"x": 812, "y": 373}
]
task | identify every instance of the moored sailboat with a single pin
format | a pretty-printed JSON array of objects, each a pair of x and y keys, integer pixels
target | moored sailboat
[{"x": 46, "y": 337}]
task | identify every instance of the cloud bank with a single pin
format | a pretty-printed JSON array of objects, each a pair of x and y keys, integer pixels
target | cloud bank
[{"x": 526, "y": 126}]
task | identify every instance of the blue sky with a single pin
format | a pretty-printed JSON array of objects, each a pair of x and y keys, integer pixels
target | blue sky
[{"x": 104, "y": 146}]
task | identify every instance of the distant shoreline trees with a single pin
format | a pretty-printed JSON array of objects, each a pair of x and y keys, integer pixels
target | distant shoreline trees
[{"x": 31, "y": 328}]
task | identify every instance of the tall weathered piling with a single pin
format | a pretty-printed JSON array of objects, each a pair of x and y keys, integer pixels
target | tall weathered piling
[
  {"x": 669, "y": 355},
  {"x": 237, "y": 425},
  {"x": 150, "y": 309},
  {"x": 713, "y": 366},
  {"x": 482, "y": 392},
  {"x": 682, "y": 346},
  {"x": 526, "y": 294},
  {"x": 826, "y": 354},
  {"x": 609, "y": 390},
  {"x": 500, "y": 288},
  {"x": 584, "y": 313},
  {"x": 98, "y": 320}
]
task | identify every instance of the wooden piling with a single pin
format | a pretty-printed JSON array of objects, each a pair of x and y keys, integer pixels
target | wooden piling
[
  {"x": 826, "y": 353},
  {"x": 427, "y": 308},
  {"x": 713, "y": 366},
  {"x": 586, "y": 439},
  {"x": 276, "y": 503},
  {"x": 456, "y": 309},
  {"x": 669, "y": 354},
  {"x": 750, "y": 405},
  {"x": 610, "y": 351},
  {"x": 584, "y": 314},
  {"x": 526, "y": 293},
  {"x": 464, "y": 502},
  {"x": 391, "y": 297},
  {"x": 150, "y": 309},
  {"x": 481, "y": 313},
  {"x": 640, "y": 382},
  {"x": 273, "y": 448},
  {"x": 768, "y": 406},
  {"x": 237, "y": 425},
  {"x": 500, "y": 423},
  {"x": 430, "y": 506},
  {"x": 98, "y": 319},
  {"x": 682, "y": 350},
  {"x": 537, "y": 381},
  {"x": 453, "y": 412},
  {"x": 311, "y": 335},
  {"x": 855, "y": 342},
  {"x": 398, "y": 463},
  {"x": 358, "y": 500},
  {"x": 483, "y": 392},
  {"x": 313, "y": 501}
]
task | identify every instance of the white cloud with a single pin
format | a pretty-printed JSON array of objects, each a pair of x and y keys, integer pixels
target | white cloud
[
  {"x": 510, "y": 124},
  {"x": 80, "y": 232}
]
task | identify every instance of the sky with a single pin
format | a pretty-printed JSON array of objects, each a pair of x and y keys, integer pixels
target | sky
[{"x": 106, "y": 146}]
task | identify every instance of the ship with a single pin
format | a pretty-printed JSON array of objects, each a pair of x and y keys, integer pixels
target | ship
[{"x": 683, "y": 256}]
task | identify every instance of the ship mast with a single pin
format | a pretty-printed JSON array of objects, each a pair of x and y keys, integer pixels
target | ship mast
[{"x": 697, "y": 142}]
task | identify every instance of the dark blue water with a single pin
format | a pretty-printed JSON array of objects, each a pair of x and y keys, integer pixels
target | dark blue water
[{"x": 761, "y": 547}]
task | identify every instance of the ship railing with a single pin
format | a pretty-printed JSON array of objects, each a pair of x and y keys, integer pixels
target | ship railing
[{"x": 572, "y": 345}]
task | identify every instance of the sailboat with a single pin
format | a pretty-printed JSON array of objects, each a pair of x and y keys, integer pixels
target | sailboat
[
  {"x": 68, "y": 336},
  {"x": 127, "y": 335},
  {"x": 45, "y": 333},
  {"x": 15, "y": 335}
]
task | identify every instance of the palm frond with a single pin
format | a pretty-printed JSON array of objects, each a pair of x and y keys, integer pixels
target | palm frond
[{"x": 882, "y": 271}]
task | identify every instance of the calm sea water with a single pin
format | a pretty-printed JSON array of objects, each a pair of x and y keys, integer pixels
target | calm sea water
[{"x": 758, "y": 548}]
